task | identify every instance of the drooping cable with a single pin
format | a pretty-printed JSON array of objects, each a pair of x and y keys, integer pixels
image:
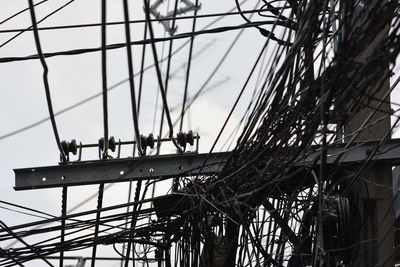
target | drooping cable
[
  {"x": 45, "y": 79},
  {"x": 189, "y": 64},
  {"x": 104, "y": 74},
  {"x": 160, "y": 82},
  {"x": 140, "y": 42},
  {"x": 131, "y": 78},
  {"x": 31, "y": 27},
  {"x": 237, "y": 101},
  {"x": 5, "y": 227},
  {"x": 115, "y": 23},
  {"x": 20, "y": 12},
  {"x": 269, "y": 37},
  {"x": 167, "y": 75}
]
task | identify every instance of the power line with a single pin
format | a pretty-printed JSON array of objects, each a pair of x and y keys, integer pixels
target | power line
[
  {"x": 31, "y": 27},
  {"x": 167, "y": 77},
  {"x": 116, "y": 23},
  {"x": 45, "y": 80},
  {"x": 158, "y": 71},
  {"x": 188, "y": 69},
  {"x": 19, "y": 13},
  {"x": 104, "y": 75},
  {"x": 141, "y": 42},
  {"x": 131, "y": 75}
]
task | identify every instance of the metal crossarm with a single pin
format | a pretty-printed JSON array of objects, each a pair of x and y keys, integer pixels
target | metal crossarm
[
  {"x": 179, "y": 165},
  {"x": 119, "y": 170}
]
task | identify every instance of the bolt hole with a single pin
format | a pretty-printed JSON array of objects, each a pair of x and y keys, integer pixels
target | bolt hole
[
  {"x": 44, "y": 179},
  {"x": 151, "y": 170},
  {"x": 140, "y": 170},
  {"x": 63, "y": 177},
  {"x": 121, "y": 172},
  {"x": 181, "y": 167}
]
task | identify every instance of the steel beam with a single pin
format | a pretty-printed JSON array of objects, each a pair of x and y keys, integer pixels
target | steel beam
[
  {"x": 168, "y": 166},
  {"x": 118, "y": 170},
  {"x": 386, "y": 152}
]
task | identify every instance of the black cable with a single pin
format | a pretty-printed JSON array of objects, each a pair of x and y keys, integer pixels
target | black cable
[
  {"x": 86, "y": 100},
  {"x": 45, "y": 79},
  {"x": 141, "y": 42},
  {"x": 31, "y": 27},
  {"x": 4, "y": 226},
  {"x": 104, "y": 74},
  {"x": 188, "y": 68},
  {"x": 213, "y": 72},
  {"x": 133, "y": 221},
  {"x": 6, "y": 254},
  {"x": 88, "y": 25},
  {"x": 167, "y": 76},
  {"x": 20, "y": 12},
  {"x": 243, "y": 88},
  {"x": 131, "y": 80},
  {"x": 237, "y": 100},
  {"x": 26, "y": 208},
  {"x": 264, "y": 32},
  {"x": 138, "y": 111},
  {"x": 21, "y": 212},
  {"x": 158, "y": 71}
]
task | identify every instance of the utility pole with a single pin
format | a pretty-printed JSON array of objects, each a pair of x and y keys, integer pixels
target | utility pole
[{"x": 373, "y": 188}]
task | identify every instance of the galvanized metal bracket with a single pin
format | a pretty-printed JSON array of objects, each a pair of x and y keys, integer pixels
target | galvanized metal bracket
[
  {"x": 388, "y": 151},
  {"x": 119, "y": 170},
  {"x": 181, "y": 165}
]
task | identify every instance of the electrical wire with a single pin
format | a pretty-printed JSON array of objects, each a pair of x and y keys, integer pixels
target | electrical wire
[
  {"x": 89, "y": 25},
  {"x": 21, "y": 12},
  {"x": 160, "y": 82},
  {"x": 140, "y": 42},
  {"x": 20, "y": 32},
  {"x": 131, "y": 80},
  {"x": 188, "y": 69},
  {"x": 45, "y": 79}
]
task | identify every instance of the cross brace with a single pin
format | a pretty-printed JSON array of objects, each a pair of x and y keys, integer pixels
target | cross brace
[{"x": 180, "y": 165}]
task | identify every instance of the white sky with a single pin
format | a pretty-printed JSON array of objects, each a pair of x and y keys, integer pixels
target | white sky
[{"x": 73, "y": 78}]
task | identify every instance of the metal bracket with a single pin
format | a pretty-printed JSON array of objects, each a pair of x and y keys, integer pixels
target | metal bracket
[
  {"x": 180, "y": 165},
  {"x": 119, "y": 170},
  {"x": 388, "y": 151}
]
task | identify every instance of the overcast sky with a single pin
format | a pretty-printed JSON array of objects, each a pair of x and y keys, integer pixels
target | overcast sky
[{"x": 74, "y": 78}]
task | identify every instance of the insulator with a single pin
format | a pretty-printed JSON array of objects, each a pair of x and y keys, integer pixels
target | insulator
[
  {"x": 111, "y": 144},
  {"x": 101, "y": 144},
  {"x": 64, "y": 145},
  {"x": 185, "y": 138},
  {"x": 150, "y": 141},
  {"x": 73, "y": 147},
  {"x": 143, "y": 142},
  {"x": 190, "y": 138},
  {"x": 181, "y": 138}
]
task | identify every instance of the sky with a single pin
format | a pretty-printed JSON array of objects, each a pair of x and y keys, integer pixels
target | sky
[{"x": 74, "y": 78}]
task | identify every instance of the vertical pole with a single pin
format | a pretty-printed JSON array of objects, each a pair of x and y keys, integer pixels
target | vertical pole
[{"x": 372, "y": 190}]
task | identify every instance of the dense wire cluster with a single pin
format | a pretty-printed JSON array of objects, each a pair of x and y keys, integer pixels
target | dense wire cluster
[{"x": 323, "y": 63}]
